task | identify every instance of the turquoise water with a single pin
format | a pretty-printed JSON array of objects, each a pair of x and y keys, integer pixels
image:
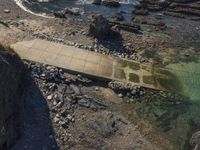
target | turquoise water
[{"x": 189, "y": 78}]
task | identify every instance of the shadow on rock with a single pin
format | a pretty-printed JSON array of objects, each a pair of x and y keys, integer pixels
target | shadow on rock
[{"x": 37, "y": 130}]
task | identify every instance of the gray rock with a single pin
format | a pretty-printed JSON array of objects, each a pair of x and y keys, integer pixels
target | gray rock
[
  {"x": 84, "y": 102},
  {"x": 75, "y": 89},
  {"x": 56, "y": 119},
  {"x": 6, "y": 11},
  {"x": 105, "y": 124}
]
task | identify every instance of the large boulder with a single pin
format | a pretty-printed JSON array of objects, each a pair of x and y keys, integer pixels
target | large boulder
[
  {"x": 99, "y": 27},
  {"x": 12, "y": 77}
]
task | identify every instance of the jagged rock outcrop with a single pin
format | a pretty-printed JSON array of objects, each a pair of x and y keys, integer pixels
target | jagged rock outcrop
[
  {"x": 175, "y": 8},
  {"x": 99, "y": 27},
  {"x": 12, "y": 76}
]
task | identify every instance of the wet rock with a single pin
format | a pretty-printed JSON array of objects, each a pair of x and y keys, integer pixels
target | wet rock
[
  {"x": 118, "y": 17},
  {"x": 148, "y": 21},
  {"x": 69, "y": 11},
  {"x": 131, "y": 27},
  {"x": 111, "y": 3},
  {"x": 97, "y": 2},
  {"x": 173, "y": 14},
  {"x": 74, "y": 11},
  {"x": 141, "y": 11}
]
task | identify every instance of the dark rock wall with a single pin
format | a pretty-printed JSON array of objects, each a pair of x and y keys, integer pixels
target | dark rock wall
[{"x": 12, "y": 76}]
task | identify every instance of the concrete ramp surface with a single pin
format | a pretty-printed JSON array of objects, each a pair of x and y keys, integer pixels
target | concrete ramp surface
[{"x": 95, "y": 64}]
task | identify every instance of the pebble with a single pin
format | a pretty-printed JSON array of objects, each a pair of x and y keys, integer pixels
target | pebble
[
  {"x": 96, "y": 88},
  {"x": 69, "y": 117},
  {"x": 6, "y": 11},
  {"x": 56, "y": 119},
  {"x": 120, "y": 95},
  {"x": 55, "y": 103},
  {"x": 50, "y": 97}
]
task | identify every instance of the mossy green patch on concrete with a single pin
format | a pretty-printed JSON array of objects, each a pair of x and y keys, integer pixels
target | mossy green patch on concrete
[
  {"x": 134, "y": 78},
  {"x": 166, "y": 80},
  {"x": 131, "y": 64},
  {"x": 120, "y": 74},
  {"x": 148, "y": 79}
]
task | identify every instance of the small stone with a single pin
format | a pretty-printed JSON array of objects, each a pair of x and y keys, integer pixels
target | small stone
[
  {"x": 50, "y": 97},
  {"x": 6, "y": 11},
  {"x": 120, "y": 95},
  {"x": 96, "y": 88},
  {"x": 69, "y": 117},
  {"x": 56, "y": 119},
  {"x": 55, "y": 103},
  {"x": 133, "y": 92}
]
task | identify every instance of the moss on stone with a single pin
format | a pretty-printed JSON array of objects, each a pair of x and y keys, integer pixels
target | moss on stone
[
  {"x": 148, "y": 79},
  {"x": 134, "y": 78}
]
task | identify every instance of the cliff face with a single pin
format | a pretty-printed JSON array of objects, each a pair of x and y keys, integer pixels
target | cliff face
[{"x": 12, "y": 76}]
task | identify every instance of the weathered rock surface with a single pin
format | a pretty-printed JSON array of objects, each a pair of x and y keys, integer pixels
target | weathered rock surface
[
  {"x": 99, "y": 27},
  {"x": 69, "y": 11},
  {"x": 12, "y": 76},
  {"x": 175, "y": 8},
  {"x": 148, "y": 21}
]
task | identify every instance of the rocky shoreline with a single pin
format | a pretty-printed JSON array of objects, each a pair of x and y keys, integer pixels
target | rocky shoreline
[{"x": 91, "y": 114}]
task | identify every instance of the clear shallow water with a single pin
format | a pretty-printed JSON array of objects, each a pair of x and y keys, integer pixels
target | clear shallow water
[
  {"x": 188, "y": 75},
  {"x": 127, "y": 7}
]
